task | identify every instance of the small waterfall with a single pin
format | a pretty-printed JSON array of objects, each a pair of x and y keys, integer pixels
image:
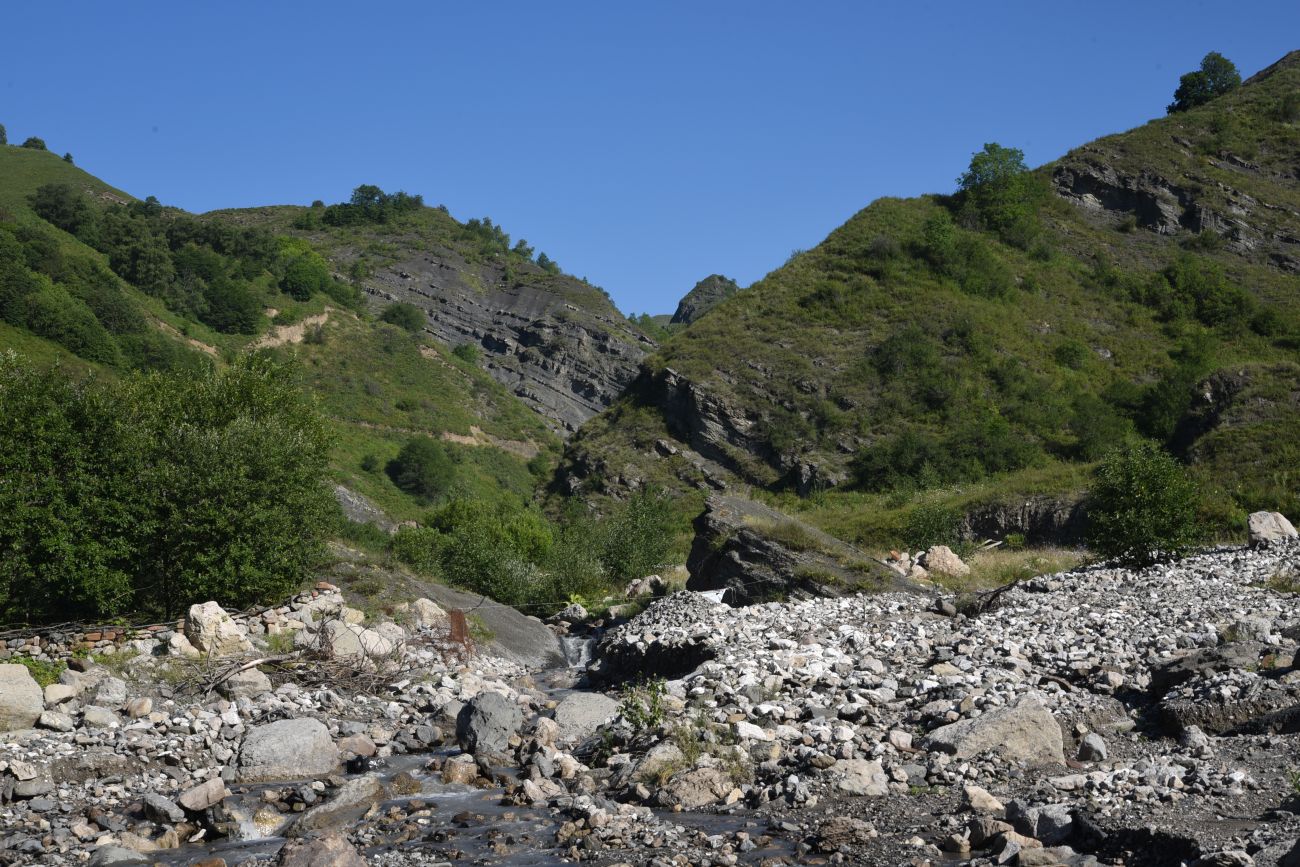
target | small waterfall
[{"x": 577, "y": 651}]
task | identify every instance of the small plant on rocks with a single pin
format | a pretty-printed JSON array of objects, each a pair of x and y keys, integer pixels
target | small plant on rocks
[{"x": 643, "y": 705}]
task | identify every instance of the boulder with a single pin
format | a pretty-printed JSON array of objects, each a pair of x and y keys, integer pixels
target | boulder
[
  {"x": 863, "y": 777},
  {"x": 941, "y": 560},
  {"x": 94, "y": 716},
  {"x": 290, "y": 749},
  {"x": 56, "y": 721},
  {"x": 487, "y": 723},
  {"x": 58, "y": 693},
  {"x": 213, "y": 633},
  {"x": 579, "y": 715},
  {"x": 1269, "y": 528},
  {"x": 328, "y": 850},
  {"x": 426, "y": 614},
  {"x": 179, "y": 645},
  {"x": 111, "y": 692},
  {"x": 1093, "y": 748},
  {"x": 204, "y": 795},
  {"x": 352, "y": 801},
  {"x": 110, "y": 856},
  {"x": 246, "y": 684},
  {"x": 21, "y": 700},
  {"x": 355, "y": 643},
  {"x": 695, "y": 789},
  {"x": 1025, "y": 731}
]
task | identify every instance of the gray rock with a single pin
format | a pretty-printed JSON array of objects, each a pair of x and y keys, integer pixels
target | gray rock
[
  {"x": 941, "y": 559},
  {"x": 1093, "y": 748},
  {"x": 291, "y": 749},
  {"x": 1048, "y": 823},
  {"x": 204, "y": 795},
  {"x": 111, "y": 692},
  {"x": 56, "y": 721},
  {"x": 349, "y": 804},
  {"x": 329, "y": 850},
  {"x": 581, "y": 713},
  {"x": 99, "y": 717},
  {"x": 1025, "y": 731},
  {"x": 21, "y": 700},
  {"x": 213, "y": 633},
  {"x": 1269, "y": 528},
  {"x": 246, "y": 684},
  {"x": 862, "y": 777},
  {"x": 110, "y": 856},
  {"x": 694, "y": 789},
  {"x": 487, "y": 723},
  {"x": 161, "y": 809}
]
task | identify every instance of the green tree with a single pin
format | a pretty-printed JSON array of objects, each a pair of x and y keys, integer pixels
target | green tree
[
  {"x": 67, "y": 158},
  {"x": 305, "y": 275},
  {"x": 404, "y": 315},
  {"x": 64, "y": 206},
  {"x": 1000, "y": 193},
  {"x": 4, "y": 136},
  {"x": 1217, "y": 76},
  {"x": 637, "y": 536},
  {"x": 36, "y": 144},
  {"x": 424, "y": 468},
  {"x": 1142, "y": 506}
]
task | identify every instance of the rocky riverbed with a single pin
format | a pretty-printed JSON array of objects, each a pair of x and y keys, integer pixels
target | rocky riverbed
[{"x": 1098, "y": 716}]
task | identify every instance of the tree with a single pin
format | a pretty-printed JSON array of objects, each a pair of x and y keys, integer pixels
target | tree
[
  {"x": 4, "y": 136},
  {"x": 1217, "y": 76},
  {"x": 67, "y": 158},
  {"x": 423, "y": 468},
  {"x": 35, "y": 143},
  {"x": 1000, "y": 193},
  {"x": 1142, "y": 506}
]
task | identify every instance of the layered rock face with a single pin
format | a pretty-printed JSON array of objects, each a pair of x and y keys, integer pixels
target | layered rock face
[
  {"x": 704, "y": 296},
  {"x": 555, "y": 342}
]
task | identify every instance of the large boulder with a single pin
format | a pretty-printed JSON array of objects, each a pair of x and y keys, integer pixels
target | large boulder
[
  {"x": 1269, "y": 528},
  {"x": 580, "y": 714},
  {"x": 694, "y": 789},
  {"x": 328, "y": 850},
  {"x": 487, "y": 723},
  {"x": 349, "y": 804},
  {"x": 356, "y": 644},
  {"x": 21, "y": 699},
  {"x": 245, "y": 684},
  {"x": 213, "y": 633},
  {"x": 941, "y": 560},
  {"x": 427, "y": 614},
  {"x": 1025, "y": 731},
  {"x": 290, "y": 749},
  {"x": 863, "y": 777}
]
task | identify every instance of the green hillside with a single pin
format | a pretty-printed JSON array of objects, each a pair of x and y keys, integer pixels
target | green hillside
[{"x": 992, "y": 344}]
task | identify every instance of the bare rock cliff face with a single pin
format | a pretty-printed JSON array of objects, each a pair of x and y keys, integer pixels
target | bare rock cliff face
[{"x": 555, "y": 342}]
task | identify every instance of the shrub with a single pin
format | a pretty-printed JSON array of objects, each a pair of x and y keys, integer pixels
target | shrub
[
  {"x": 1218, "y": 75},
  {"x": 932, "y": 524},
  {"x": 403, "y": 315},
  {"x": 424, "y": 468},
  {"x": 34, "y": 143},
  {"x": 1142, "y": 506},
  {"x": 466, "y": 352},
  {"x": 637, "y": 536}
]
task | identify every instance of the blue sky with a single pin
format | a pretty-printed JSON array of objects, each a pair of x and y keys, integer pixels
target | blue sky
[{"x": 643, "y": 146}]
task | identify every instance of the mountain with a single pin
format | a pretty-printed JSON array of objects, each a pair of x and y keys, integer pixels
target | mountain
[
  {"x": 704, "y": 296},
  {"x": 978, "y": 352},
  {"x": 556, "y": 342},
  {"x": 97, "y": 280}
]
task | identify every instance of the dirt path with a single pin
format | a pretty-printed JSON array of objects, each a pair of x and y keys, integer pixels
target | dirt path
[
  {"x": 197, "y": 344},
  {"x": 476, "y": 437},
  {"x": 295, "y": 333}
]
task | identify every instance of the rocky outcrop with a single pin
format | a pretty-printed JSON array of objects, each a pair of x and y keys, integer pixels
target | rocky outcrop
[
  {"x": 1041, "y": 519},
  {"x": 557, "y": 343},
  {"x": 757, "y": 554},
  {"x": 703, "y": 297}
]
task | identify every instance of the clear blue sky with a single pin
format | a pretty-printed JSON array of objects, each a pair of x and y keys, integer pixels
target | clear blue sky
[{"x": 643, "y": 146}]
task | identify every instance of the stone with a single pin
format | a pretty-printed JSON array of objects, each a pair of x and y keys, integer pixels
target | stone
[
  {"x": 1093, "y": 748},
  {"x": 21, "y": 699},
  {"x": 461, "y": 770},
  {"x": 111, "y": 692},
  {"x": 579, "y": 714},
  {"x": 352, "y": 801},
  {"x": 328, "y": 850},
  {"x": 358, "y": 745},
  {"x": 1269, "y": 528},
  {"x": 56, "y": 721},
  {"x": 942, "y": 560},
  {"x": 139, "y": 707},
  {"x": 290, "y": 749},
  {"x": 487, "y": 723},
  {"x": 695, "y": 789},
  {"x": 98, "y": 717},
  {"x": 179, "y": 645},
  {"x": 204, "y": 795},
  {"x": 246, "y": 684},
  {"x": 111, "y": 856},
  {"x": 213, "y": 633},
  {"x": 161, "y": 809},
  {"x": 58, "y": 693},
  {"x": 426, "y": 614},
  {"x": 863, "y": 777},
  {"x": 356, "y": 644},
  {"x": 1048, "y": 823},
  {"x": 1025, "y": 731},
  {"x": 573, "y": 613},
  {"x": 978, "y": 800},
  {"x": 1225, "y": 858}
]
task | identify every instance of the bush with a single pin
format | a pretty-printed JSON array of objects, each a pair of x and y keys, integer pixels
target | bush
[
  {"x": 637, "y": 536},
  {"x": 1217, "y": 76},
  {"x": 1142, "y": 506},
  {"x": 932, "y": 524},
  {"x": 156, "y": 491},
  {"x": 424, "y": 468},
  {"x": 466, "y": 352},
  {"x": 34, "y": 143},
  {"x": 403, "y": 315}
]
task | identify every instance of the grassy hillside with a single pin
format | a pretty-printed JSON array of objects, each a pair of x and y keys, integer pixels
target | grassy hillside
[
  {"x": 958, "y": 350},
  {"x": 74, "y": 292}
]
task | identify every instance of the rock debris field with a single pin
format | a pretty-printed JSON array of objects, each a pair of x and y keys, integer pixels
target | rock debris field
[{"x": 1102, "y": 716}]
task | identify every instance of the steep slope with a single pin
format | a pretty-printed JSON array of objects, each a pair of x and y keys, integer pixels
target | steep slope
[
  {"x": 554, "y": 341},
  {"x": 920, "y": 355},
  {"x": 703, "y": 297},
  {"x": 64, "y": 301}
]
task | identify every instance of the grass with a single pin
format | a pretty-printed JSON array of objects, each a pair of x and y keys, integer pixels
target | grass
[{"x": 43, "y": 671}]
